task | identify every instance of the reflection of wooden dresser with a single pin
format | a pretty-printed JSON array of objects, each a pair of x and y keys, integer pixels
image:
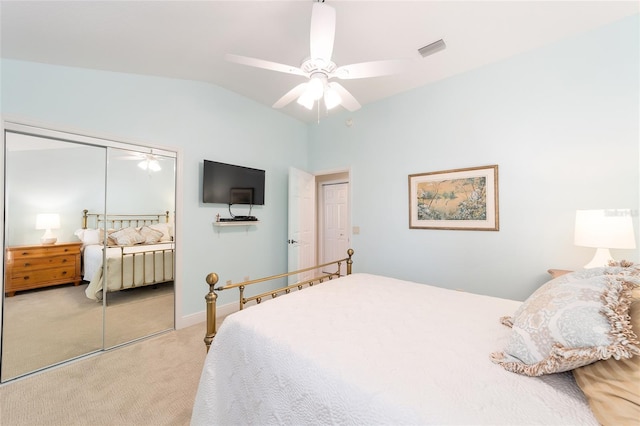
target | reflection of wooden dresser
[{"x": 36, "y": 266}]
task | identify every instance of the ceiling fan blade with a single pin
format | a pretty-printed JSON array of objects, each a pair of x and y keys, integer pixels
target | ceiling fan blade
[
  {"x": 371, "y": 69},
  {"x": 348, "y": 101},
  {"x": 290, "y": 95},
  {"x": 261, "y": 63},
  {"x": 323, "y": 29}
]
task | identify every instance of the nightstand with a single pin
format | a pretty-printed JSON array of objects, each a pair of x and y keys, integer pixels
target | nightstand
[
  {"x": 555, "y": 273},
  {"x": 36, "y": 266}
]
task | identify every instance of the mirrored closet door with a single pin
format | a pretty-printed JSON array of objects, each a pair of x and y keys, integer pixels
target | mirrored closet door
[
  {"x": 47, "y": 319},
  {"x": 140, "y": 267},
  {"x": 89, "y": 247}
]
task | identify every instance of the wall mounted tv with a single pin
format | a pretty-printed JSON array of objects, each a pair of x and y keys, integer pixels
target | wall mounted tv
[{"x": 229, "y": 184}]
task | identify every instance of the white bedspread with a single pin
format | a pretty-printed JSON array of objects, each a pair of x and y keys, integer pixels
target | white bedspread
[
  {"x": 366, "y": 349},
  {"x": 147, "y": 268}
]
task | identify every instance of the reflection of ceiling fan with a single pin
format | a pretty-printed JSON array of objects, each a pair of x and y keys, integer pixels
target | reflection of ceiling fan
[
  {"x": 319, "y": 67},
  {"x": 146, "y": 161}
]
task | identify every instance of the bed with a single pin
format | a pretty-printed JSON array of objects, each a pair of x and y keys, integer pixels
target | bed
[
  {"x": 139, "y": 251},
  {"x": 368, "y": 349}
]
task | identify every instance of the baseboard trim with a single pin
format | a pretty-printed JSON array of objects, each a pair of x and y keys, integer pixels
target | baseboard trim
[{"x": 200, "y": 317}]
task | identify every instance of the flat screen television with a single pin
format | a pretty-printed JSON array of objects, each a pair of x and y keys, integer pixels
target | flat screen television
[{"x": 230, "y": 184}]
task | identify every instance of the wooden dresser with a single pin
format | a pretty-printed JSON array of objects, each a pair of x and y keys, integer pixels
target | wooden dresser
[{"x": 36, "y": 266}]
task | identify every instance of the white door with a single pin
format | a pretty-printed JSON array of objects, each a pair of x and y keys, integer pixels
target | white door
[
  {"x": 302, "y": 218},
  {"x": 335, "y": 222}
]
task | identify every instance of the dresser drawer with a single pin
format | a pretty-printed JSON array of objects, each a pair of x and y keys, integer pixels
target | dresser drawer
[
  {"x": 36, "y": 266},
  {"x": 39, "y": 251},
  {"x": 27, "y": 263},
  {"x": 33, "y": 279}
]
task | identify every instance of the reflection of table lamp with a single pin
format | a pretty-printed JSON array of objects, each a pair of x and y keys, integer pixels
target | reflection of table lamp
[
  {"x": 604, "y": 229},
  {"x": 48, "y": 221}
]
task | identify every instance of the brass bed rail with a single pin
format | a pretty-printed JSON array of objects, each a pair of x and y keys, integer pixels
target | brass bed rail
[
  {"x": 119, "y": 221},
  {"x": 147, "y": 278},
  {"x": 212, "y": 280}
]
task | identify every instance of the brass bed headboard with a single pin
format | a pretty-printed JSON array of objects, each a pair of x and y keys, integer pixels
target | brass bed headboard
[
  {"x": 119, "y": 221},
  {"x": 212, "y": 280}
]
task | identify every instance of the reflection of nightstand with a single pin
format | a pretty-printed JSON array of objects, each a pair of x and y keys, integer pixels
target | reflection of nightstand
[
  {"x": 29, "y": 267},
  {"x": 555, "y": 273}
]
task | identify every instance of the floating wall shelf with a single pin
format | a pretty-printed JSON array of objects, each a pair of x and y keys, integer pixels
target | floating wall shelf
[{"x": 238, "y": 223}]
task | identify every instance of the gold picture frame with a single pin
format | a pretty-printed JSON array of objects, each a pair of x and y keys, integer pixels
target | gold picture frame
[{"x": 459, "y": 199}]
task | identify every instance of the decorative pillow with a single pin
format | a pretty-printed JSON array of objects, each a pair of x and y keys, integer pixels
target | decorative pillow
[
  {"x": 110, "y": 240},
  {"x": 571, "y": 321},
  {"x": 89, "y": 236},
  {"x": 612, "y": 387},
  {"x": 127, "y": 237},
  {"x": 165, "y": 228},
  {"x": 151, "y": 236}
]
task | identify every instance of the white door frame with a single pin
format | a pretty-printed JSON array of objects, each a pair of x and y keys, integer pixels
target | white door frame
[{"x": 330, "y": 177}]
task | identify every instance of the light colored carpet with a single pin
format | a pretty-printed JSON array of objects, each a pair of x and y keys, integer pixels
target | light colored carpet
[
  {"x": 151, "y": 382},
  {"x": 51, "y": 325}
]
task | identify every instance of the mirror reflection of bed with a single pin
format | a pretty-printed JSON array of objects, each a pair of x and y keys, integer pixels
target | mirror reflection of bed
[
  {"x": 54, "y": 172},
  {"x": 138, "y": 273}
]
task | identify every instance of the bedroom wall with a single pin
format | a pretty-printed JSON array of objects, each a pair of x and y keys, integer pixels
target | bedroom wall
[
  {"x": 199, "y": 120},
  {"x": 562, "y": 124},
  {"x": 153, "y": 192}
]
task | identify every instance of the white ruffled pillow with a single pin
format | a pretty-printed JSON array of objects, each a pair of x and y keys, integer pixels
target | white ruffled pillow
[
  {"x": 151, "y": 236},
  {"x": 165, "y": 228},
  {"x": 127, "y": 236},
  {"x": 89, "y": 236},
  {"x": 571, "y": 321}
]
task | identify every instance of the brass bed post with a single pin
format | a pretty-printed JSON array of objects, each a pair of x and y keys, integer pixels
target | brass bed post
[
  {"x": 211, "y": 297},
  {"x": 212, "y": 280},
  {"x": 84, "y": 218}
]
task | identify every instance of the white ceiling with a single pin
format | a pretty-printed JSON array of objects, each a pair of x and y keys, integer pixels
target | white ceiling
[{"x": 188, "y": 39}]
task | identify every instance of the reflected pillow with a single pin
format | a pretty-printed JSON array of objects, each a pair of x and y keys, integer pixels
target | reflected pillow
[
  {"x": 127, "y": 237},
  {"x": 165, "y": 228},
  {"x": 89, "y": 236},
  {"x": 151, "y": 236},
  {"x": 571, "y": 321}
]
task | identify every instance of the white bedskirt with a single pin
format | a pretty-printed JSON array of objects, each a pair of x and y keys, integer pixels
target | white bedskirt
[
  {"x": 130, "y": 273},
  {"x": 366, "y": 349}
]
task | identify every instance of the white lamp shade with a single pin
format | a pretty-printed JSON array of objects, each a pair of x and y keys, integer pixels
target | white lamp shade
[
  {"x": 48, "y": 221},
  {"x": 604, "y": 229}
]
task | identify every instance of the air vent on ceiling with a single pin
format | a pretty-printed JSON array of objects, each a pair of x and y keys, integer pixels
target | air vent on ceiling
[{"x": 432, "y": 48}]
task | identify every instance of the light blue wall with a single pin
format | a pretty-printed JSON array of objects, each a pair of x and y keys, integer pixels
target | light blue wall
[
  {"x": 562, "y": 124},
  {"x": 205, "y": 122}
]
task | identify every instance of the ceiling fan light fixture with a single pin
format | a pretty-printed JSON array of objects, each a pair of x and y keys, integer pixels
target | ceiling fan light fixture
[
  {"x": 151, "y": 165},
  {"x": 315, "y": 88},
  {"x": 306, "y": 100},
  {"x": 331, "y": 98}
]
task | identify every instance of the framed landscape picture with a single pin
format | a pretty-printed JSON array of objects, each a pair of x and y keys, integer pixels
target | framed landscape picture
[{"x": 455, "y": 199}]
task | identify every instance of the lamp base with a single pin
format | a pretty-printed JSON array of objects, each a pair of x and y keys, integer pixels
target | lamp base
[
  {"x": 48, "y": 240},
  {"x": 601, "y": 258}
]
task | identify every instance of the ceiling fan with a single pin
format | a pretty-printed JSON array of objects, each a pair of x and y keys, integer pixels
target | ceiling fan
[
  {"x": 146, "y": 161},
  {"x": 319, "y": 68}
]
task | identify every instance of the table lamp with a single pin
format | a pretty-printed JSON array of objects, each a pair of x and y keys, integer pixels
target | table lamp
[
  {"x": 48, "y": 221},
  {"x": 604, "y": 230}
]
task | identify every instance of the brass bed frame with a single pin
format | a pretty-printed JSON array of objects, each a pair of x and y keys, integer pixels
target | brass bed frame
[
  {"x": 120, "y": 221},
  {"x": 212, "y": 297}
]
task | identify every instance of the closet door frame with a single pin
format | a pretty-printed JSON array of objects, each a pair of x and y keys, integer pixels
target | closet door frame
[{"x": 19, "y": 125}]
